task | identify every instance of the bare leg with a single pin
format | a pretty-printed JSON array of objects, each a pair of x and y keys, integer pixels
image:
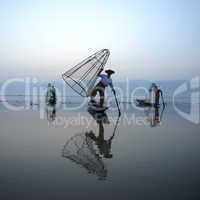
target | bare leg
[{"x": 93, "y": 94}]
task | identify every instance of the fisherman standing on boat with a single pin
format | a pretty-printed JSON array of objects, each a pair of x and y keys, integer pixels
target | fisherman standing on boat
[
  {"x": 54, "y": 94},
  {"x": 50, "y": 95},
  {"x": 152, "y": 93},
  {"x": 155, "y": 94},
  {"x": 158, "y": 94},
  {"x": 100, "y": 87}
]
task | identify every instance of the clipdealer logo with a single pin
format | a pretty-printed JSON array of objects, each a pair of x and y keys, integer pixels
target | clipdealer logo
[{"x": 193, "y": 89}]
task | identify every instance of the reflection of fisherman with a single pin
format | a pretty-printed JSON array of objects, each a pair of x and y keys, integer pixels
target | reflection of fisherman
[
  {"x": 51, "y": 95},
  {"x": 51, "y": 112},
  {"x": 155, "y": 115},
  {"x": 100, "y": 87},
  {"x": 156, "y": 118},
  {"x": 103, "y": 145}
]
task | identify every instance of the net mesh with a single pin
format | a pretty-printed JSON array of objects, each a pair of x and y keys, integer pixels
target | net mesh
[
  {"x": 82, "y": 77},
  {"x": 81, "y": 151}
]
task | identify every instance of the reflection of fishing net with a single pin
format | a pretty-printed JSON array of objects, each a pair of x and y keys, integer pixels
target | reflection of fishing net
[
  {"x": 80, "y": 150},
  {"x": 83, "y": 76}
]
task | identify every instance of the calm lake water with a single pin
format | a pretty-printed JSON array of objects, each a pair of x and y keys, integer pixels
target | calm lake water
[
  {"x": 69, "y": 153},
  {"x": 149, "y": 154}
]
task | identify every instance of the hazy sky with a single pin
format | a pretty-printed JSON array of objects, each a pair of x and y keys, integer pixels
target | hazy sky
[{"x": 148, "y": 39}]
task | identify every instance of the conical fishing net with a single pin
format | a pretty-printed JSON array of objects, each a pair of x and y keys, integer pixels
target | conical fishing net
[{"x": 83, "y": 76}]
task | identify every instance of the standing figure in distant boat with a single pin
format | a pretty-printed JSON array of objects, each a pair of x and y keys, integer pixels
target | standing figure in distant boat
[
  {"x": 100, "y": 87},
  {"x": 54, "y": 94},
  {"x": 50, "y": 95},
  {"x": 158, "y": 94},
  {"x": 152, "y": 93},
  {"x": 155, "y": 94}
]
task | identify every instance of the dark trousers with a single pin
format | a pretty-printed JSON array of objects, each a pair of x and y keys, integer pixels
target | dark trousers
[{"x": 100, "y": 88}]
